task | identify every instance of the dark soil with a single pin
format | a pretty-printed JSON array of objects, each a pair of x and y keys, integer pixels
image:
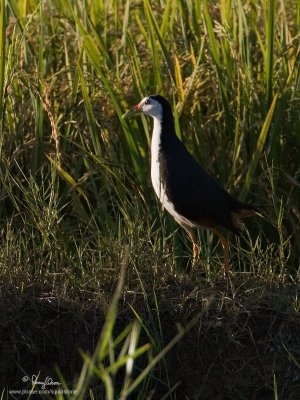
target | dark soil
[{"x": 248, "y": 336}]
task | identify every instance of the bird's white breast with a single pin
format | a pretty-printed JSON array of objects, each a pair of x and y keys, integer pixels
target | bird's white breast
[
  {"x": 158, "y": 185},
  {"x": 155, "y": 150}
]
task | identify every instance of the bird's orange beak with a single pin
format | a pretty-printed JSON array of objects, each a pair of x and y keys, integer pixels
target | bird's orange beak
[{"x": 136, "y": 110}]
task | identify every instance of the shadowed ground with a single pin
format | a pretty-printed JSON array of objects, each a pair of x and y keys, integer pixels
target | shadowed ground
[{"x": 249, "y": 333}]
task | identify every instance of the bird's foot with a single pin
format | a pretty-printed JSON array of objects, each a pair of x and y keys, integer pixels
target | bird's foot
[
  {"x": 196, "y": 252},
  {"x": 227, "y": 274},
  {"x": 194, "y": 268},
  {"x": 195, "y": 262}
]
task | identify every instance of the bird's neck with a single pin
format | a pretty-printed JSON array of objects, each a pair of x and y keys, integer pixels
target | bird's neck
[
  {"x": 163, "y": 136},
  {"x": 163, "y": 127},
  {"x": 156, "y": 138},
  {"x": 167, "y": 123}
]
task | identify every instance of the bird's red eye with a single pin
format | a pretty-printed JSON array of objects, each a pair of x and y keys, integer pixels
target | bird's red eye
[{"x": 147, "y": 102}]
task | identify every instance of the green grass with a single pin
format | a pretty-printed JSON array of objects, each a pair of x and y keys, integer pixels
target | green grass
[{"x": 75, "y": 188}]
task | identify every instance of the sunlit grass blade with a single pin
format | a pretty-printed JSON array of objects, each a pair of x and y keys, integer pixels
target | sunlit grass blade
[
  {"x": 162, "y": 353},
  {"x": 39, "y": 122},
  {"x": 226, "y": 10},
  {"x": 213, "y": 45},
  {"x": 244, "y": 43},
  {"x": 166, "y": 18},
  {"x": 211, "y": 35},
  {"x": 279, "y": 102},
  {"x": 75, "y": 189},
  {"x": 135, "y": 65},
  {"x": 270, "y": 51},
  {"x": 90, "y": 115},
  {"x": 2, "y": 59},
  {"x": 193, "y": 79},
  {"x": 102, "y": 47},
  {"x": 152, "y": 25},
  {"x": 125, "y": 22},
  {"x": 156, "y": 59},
  {"x": 103, "y": 349},
  {"x": 93, "y": 54},
  {"x": 259, "y": 147},
  {"x": 112, "y": 312},
  {"x": 96, "y": 61},
  {"x": 128, "y": 358},
  {"x": 178, "y": 78}
]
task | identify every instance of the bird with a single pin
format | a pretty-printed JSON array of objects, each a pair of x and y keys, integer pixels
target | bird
[{"x": 183, "y": 187}]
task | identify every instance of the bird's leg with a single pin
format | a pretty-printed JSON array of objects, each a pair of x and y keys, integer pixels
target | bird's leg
[
  {"x": 196, "y": 251},
  {"x": 225, "y": 245},
  {"x": 196, "y": 248}
]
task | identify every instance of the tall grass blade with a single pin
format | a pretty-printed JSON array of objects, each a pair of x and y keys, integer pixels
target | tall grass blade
[
  {"x": 2, "y": 60},
  {"x": 39, "y": 122},
  {"x": 103, "y": 346},
  {"x": 135, "y": 65},
  {"x": 275, "y": 388},
  {"x": 96, "y": 61},
  {"x": 128, "y": 359},
  {"x": 270, "y": 51},
  {"x": 155, "y": 55},
  {"x": 125, "y": 22},
  {"x": 211, "y": 35},
  {"x": 259, "y": 147},
  {"x": 178, "y": 76},
  {"x": 76, "y": 193},
  {"x": 164, "y": 351},
  {"x": 166, "y": 17},
  {"x": 90, "y": 115},
  {"x": 298, "y": 15},
  {"x": 214, "y": 49},
  {"x": 152, "y": 25},
  {"x": 112, "y": 311}
]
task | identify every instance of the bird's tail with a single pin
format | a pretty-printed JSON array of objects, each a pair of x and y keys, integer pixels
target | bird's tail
[{"x": 243, "y": 211}]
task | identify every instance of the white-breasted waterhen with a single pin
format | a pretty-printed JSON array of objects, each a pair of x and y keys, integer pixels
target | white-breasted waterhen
[{"x": 190, "y": 195}]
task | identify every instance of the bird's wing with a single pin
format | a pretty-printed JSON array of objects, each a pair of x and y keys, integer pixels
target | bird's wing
[{"x": 193, "y": 192}]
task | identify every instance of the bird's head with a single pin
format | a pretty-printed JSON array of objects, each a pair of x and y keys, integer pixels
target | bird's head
[{"x": 150, "y": 105}]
